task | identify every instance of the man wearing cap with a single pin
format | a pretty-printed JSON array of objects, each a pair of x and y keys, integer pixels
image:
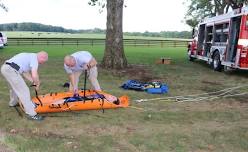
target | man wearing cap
[
  {"x": 75, "y": 64},
  {"x": 23, "y": 64}
]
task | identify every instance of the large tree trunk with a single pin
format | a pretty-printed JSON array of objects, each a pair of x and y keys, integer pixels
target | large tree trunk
[{"x": 114, "y": 56}]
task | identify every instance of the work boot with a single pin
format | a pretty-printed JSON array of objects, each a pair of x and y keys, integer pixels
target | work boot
[{"x": 35, "y": 117}]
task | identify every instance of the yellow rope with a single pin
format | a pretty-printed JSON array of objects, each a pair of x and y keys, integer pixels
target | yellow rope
[{"x": 137, "y": 108}]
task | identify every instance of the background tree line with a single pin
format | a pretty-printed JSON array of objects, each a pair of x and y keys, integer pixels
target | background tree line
[
  {"x": 34, "y": 27},
  {"x": 48, "y": 28}
]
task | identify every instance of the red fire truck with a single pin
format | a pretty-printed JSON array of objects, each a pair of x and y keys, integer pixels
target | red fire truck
[{"x": 222, "y": 41}]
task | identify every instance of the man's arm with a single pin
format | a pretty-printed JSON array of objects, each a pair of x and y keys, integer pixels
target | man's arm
[
  {"x": 28, "y": 76},
  {"x": 92, "y": 63},
  {"x": 35, "y": 78},
  {"x": 72, "y": 80}
]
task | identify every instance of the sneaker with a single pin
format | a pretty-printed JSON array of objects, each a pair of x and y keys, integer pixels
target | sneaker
[
  {"x": 17, "y": 105},
  {"x": 117, "y": 102},
  {"x": 35, "y": 117}
]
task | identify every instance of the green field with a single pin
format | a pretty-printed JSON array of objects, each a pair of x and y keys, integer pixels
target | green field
[
  {"x": 24, "y": 34},
  {"x": 217, "y": 125}
]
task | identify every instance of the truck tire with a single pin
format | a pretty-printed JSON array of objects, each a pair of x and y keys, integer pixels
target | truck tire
[{"x": 216, "y": 64}]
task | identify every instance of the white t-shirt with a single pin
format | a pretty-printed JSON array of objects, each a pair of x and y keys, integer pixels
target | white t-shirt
[
  {"x": 82, "y": 58},
  {"x": 26, "y": 61}
]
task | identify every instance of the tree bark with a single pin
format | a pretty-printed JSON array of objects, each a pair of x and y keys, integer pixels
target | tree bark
[{"x": 114, "y": 56}]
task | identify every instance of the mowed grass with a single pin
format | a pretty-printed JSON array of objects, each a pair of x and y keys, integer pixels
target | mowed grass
[
  {"x": 28, "y": 34},
  {"x": 218, "y": 125}
]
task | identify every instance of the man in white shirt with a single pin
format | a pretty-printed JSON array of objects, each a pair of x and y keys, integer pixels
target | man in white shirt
[
  {"x": 23, "y": 64},
  {"x": 75, "y": 64}
]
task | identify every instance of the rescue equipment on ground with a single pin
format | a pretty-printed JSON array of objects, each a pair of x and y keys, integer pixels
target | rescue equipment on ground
[
  {"x": 149, "y": 87},
  {"x": 85, "y": 100}
]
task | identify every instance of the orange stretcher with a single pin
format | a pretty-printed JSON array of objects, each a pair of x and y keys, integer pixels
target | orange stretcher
[{"x": 88, "y": 100}]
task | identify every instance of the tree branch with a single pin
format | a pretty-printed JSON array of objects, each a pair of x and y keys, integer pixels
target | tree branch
[
  {"x": 233, "y": 4},
  {"x": 3, "y": 7}
]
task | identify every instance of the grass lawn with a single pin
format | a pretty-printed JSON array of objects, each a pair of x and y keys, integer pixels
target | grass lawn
[
  {"x": 218, "y": 125},
  {"x": 28, "y": 34}
]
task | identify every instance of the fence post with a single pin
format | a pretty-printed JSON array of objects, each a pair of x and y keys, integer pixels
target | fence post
[
  {"x": 162, "y": 43},
  {"x": 92, "y": 42}
]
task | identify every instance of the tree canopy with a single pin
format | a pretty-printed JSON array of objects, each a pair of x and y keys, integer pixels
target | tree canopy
[
  {"x": 3, "y": 6},
  {"x": 199, "y": 9}
]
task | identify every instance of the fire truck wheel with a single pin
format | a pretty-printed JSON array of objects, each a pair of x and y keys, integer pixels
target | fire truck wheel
[{"x": 216, "y": 64}]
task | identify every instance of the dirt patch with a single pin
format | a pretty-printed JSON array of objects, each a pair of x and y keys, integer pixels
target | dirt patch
[
  {"x": 3, "y": 148},
  {"x": 215, "y": 105},
  {"x": 241, "y": 99},
  {"x": 104, "y": 130},
  {"x": 211, "y": 82},
  {"x": 39, "y": 133},
  {"x": 141, "y": 73},
  {"x": 72, "y": 141}
]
